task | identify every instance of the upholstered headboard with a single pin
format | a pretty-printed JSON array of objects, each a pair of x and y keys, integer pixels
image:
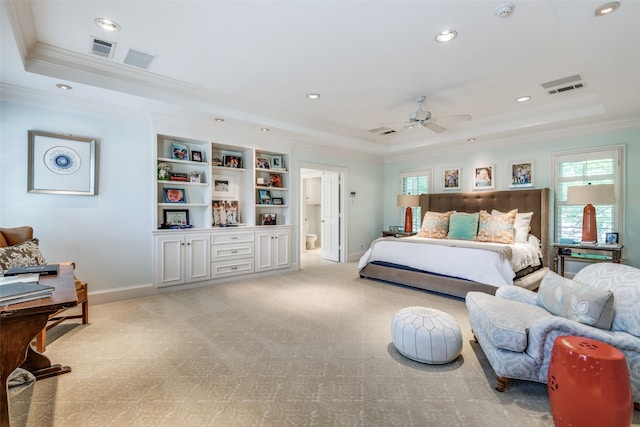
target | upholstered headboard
[{"x": 533, "y": 200}]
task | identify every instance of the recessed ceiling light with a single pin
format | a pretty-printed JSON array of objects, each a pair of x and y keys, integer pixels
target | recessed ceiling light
[
  {"x": 523, "y": 98},
  {"x": 313, "y": 95},
  {"x": 504, "y": 11},
  {"x": 107, "y": 24},
  {"x": 219, "y": 119},
  {"x": 471, "y": 140},
  {"x": 265, "y": 129},
  {"x": 63, "y": 86},
  {"x": 446, "y": 36},
  {"x": 605, "y": 9}
]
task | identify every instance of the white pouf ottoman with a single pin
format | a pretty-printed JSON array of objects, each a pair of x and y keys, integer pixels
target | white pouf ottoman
[{"x": 426, "y": 335}]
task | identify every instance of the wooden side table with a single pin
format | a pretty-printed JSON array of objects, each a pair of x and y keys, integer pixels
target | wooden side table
[
  {"x": 584, "y": 253},
  {"x": 396, "y": 234}
]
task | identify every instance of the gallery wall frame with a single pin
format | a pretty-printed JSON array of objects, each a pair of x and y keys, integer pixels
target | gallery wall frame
[
  {"x": 452, "y": 179},
  {"x": 61, "y": 164},
  {"x": 484, "y": 177},
  {"x": 522, "y": 174}
]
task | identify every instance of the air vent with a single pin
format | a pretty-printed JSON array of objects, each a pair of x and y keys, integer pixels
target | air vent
[
  {"x": 388, "y": 132},
  {"x": 139, "y": 59},
  {"x": 102, "y": 48},
  {"x": 382, "y": 130},
  {"x": 564, "y": 84}
]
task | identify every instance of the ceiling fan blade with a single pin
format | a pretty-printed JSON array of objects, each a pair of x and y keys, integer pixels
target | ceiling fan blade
[
  {"x": 394, "y": 123},
  {"x": 456, "y": 118},
  {"x": 434, "y": 127}
]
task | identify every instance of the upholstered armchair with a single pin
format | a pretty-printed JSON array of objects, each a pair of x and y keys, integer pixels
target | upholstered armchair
[
  {"x": 517, "y": 328},
  {"x": 17, "y": 247}
]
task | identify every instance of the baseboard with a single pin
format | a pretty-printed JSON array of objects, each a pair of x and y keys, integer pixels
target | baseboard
[
  {"x": 355, "y": 257},
  {"x": 119, "y": 294}
]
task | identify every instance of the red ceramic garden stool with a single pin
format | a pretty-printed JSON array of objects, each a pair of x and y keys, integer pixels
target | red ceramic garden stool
[{"x": 588, "y": 384}]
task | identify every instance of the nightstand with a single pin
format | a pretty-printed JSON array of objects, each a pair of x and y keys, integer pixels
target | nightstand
[
  {"x": 396, "y": 234},
  {"x": 584, "y": 253}
]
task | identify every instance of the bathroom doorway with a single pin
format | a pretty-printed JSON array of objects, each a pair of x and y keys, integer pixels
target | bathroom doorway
[{"x": 322, "y": 229}]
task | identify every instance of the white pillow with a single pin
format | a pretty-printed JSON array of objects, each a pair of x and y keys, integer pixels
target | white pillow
[{"x": 521, "y": 226}]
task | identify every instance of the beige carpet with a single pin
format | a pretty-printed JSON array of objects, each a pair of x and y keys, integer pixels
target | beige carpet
[{"x": 310, "y": 348}]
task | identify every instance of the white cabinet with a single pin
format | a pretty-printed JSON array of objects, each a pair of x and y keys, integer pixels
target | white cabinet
[
  {"x": 232, "y": 253},
  {"x": 312, "y": 191},
  {"x": 272, "y": 248},
  {"x": 182, "y": 258}
]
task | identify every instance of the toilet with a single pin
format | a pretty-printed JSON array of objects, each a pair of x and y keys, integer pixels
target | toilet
[{"x": 311, "y": 241}]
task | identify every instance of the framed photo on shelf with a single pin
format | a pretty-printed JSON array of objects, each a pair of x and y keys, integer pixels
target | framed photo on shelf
[
  {"x": 164, "y": 170},
  {"x": 275, "y": 180},
  {"x": 225, "y": 212},
  {"x": 176, "y": 217},
  {"x": 268, "y": 219},
  {"x": 522, "y": 174},
  {"x": 61, "y": 164},
  {"x": 232, "y": 161},
  {"x": 263, "y": 163},
  {"x": 276, "y": 163},
  {"x": 216, "y": 161},
  {"x": 195, "y": 177},
  {"x": 277, "y": 200},
  {"x": 483, "y": 178},
  {"x": 174, "y": 195},
  {"x": 224, "y": 186},
  {"x": 452, "y": 179},
  {"x": 179, "y": 151},
  {"x": 196, "y": 156},
  {"x": 611, "y": 238},
  {"x": 264, "y": 197}
]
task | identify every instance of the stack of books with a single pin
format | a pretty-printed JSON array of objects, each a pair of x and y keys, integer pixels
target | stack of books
[{"x": 23, "y": 288}]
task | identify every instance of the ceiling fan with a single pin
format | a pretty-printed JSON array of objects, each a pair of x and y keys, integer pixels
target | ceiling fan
[{"x": 423, "y": 119}]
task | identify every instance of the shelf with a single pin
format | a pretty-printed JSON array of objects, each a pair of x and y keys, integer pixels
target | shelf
[
  {"x": 226, "y": 169},
  {"x": 183, "y": 162},
  {"x": 183, "y": 205},
  {"x": 264, "y": 187},
  {"x": 265, "y": 170},
  {"x": 262, "y": 205},
  {"x": 197, "y": 184}
]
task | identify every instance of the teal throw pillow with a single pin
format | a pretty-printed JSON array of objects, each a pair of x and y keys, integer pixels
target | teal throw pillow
[{"x": 463, "y": 226}]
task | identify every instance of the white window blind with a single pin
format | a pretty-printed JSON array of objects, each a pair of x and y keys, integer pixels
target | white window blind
[
  {"x": 593, "y": 167},
  {"x": 414, "y": 183}
]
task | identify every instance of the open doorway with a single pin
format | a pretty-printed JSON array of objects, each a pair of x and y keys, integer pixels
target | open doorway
[{"x": 322, "y": 229}]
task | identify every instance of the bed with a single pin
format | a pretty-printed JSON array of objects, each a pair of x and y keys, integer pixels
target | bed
[{"x": 392, "y": 270}]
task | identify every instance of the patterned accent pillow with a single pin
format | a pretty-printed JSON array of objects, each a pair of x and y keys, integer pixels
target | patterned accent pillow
[
  {"x": 22, "y": 254},
  {"x": 463, "y": 226},
  {"x": 521, "y": 226},
  {"x": 576, "y": 301},
  {"x": 435, "y": 225},
  {"x": 496, "y": 228}
]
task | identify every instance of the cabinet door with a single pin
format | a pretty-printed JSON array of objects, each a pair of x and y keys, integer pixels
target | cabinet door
[
  {"x": 264, "y": 250},
  {"x": 169, "y": 260},
  {"x": 281, "y": 249},
  {"x": 198, "y": 263}
]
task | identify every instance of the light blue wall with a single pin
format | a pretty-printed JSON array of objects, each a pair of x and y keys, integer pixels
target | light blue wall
[
  {"x": 541, "y": 152},
  {"x": 107, "y": 235}
]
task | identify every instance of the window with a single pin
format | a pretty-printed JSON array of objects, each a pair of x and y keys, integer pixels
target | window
[
  {"x": 595, "y": 167},
  {"x": 414, "y": 183}
]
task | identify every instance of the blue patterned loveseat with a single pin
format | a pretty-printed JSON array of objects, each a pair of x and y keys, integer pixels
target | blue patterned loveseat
[{"x": 517, "y": 328}]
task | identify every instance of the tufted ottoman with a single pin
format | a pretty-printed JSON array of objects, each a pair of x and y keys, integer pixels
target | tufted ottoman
[{"x": 426, "y": 335}]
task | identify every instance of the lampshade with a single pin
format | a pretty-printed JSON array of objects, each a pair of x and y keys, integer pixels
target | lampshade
[
  {"x": 408, "y": 200},
  {"x": 591, "y": 194}
]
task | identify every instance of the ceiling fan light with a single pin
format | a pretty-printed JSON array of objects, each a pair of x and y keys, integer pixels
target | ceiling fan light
[{"x": 446, "y": 36}]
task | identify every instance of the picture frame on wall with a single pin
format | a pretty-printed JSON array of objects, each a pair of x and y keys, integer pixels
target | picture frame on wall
[
  {"x": 224, "y": 186},
  {"x": 61, "y": 164},
  {"x": 452, "y": 179},
  {"x": 484, "y": 177},
  {"x": 174, "y": 195},
  {"x": 522, "y": 174}
]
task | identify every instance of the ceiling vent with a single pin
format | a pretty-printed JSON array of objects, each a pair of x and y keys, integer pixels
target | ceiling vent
[
  {"x": 139, "y": 59},
  {"x": 564, "y": 84},
  {"x": 382, "y": 130},
  {"x": 102, "y": 48}
]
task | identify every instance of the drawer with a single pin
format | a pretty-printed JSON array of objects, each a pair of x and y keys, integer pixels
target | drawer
[
  {"x": 238, "y": 237},
  {"x": 231, "y": 251},
  {"x": 231, "y": 268}
]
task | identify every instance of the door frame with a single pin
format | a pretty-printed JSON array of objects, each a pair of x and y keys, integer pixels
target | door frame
[{"x": 343, "y": 204}]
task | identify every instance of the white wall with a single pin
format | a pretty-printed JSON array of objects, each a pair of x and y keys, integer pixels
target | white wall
[
  {"x": 541, "y": 152},
  {"x": 107, "y": 235}
]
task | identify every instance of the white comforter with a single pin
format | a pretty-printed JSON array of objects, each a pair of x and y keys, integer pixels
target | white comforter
[{"x": 488, "y": 263}]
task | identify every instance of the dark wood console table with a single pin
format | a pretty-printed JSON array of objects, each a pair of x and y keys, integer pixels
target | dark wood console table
[{"x": 19, "y": 324}]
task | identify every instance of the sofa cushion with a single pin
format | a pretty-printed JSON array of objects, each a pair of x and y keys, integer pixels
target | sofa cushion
[
  {"x": 22, "y": 254},
  {"x": 576, "y": 301},
  {"x": 505, "y": 322}
]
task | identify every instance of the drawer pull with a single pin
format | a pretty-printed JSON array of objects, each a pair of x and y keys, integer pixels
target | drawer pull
[
  {"x": 234, "y": 252},
  {"x": 234, "y": 238},
  {"x": 234, "y": 268}
]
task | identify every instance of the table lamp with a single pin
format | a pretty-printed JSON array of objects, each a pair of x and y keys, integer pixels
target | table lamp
[
  {"x": 589, "y": 195},
  {"x": 408, "y": 201}
]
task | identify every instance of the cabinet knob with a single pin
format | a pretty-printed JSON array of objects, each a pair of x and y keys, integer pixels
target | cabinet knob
[
  {"x": 234, "y": 238},
  {"x": 234, "y": 252}
]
